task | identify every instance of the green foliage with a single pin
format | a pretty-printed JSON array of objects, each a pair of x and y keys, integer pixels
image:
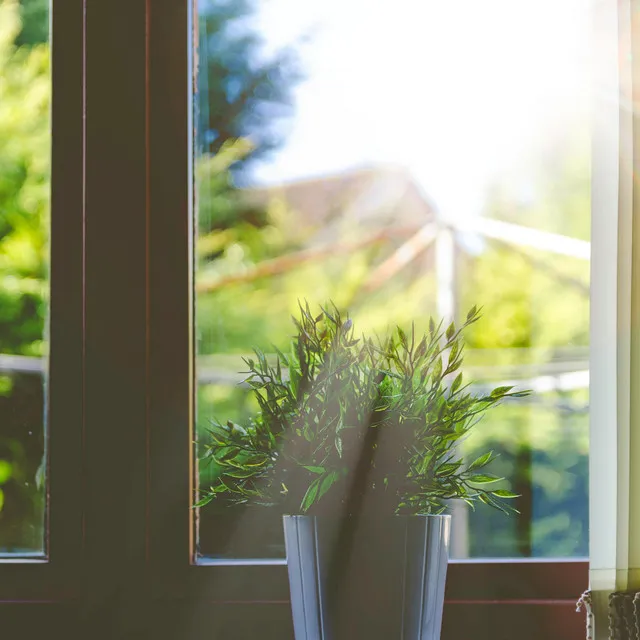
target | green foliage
[
  {"x": 242, "y": 93},
  {"x": 345, "y": 421},
  {"x": 35, "y": 22},
  {"x": 24, "y": 168},
  {"x": 24, "y": 222}
]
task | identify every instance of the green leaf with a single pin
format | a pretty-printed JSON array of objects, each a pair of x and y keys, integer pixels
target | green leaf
[
  {"x": 201, "y": 503},
  {"x": 446, "y": 470},
  {"x": 437, "y": 369},
  {"x": 294, "y": 376},
  {"x": 255, "y": 461},
  {"x": 470, "y": 502},
  {"x": 489, "y": 501},
  {"x": 318, "y": 470},
  {"x": 482, "y": 478},
  {"x": 498, "y": 392},
  {"x": 229, "y": 454},
  {"x": 310, "y": 495},
  {"x": 480, "y": 462},
  {"x": 451, "y": 330},
  {"x": 453, "y": 354},
  {"x": 504, "y": 493},
  {"x": 456, "y": 383},
  {"x": 328, "y": 315},
  {"x": 281, "y": 356},
  {"x": 327, "y": 482},
  {"x": 6, "y": 470},
  {"x": 241, "y": 474}
]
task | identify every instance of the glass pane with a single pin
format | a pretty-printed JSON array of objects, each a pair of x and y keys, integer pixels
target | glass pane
[
  {"x": 24, "y": 223},
  {"x": 404, "y": 160}
]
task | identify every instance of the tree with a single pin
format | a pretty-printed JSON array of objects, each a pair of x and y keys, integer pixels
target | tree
[
  {"x": 24, "y": 222},
  {"x": 35, "y": 22},
  {"x": 242, "y": 94}
]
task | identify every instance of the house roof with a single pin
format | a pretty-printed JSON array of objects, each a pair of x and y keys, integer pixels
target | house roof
[{"x": 378, "y": 197}]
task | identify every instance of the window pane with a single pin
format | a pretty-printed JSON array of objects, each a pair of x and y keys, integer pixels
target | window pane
[
  {"x": 24, "y": 225},
  {"x": 404, "y": 160}
]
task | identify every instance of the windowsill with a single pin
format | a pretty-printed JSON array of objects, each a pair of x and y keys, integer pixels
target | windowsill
[{"x": 248, "y": 562}]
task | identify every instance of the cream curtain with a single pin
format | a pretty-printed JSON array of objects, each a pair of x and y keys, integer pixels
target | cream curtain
[{"x": 615, "y": 322}]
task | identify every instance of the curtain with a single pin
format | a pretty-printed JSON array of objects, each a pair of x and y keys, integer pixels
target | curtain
[{"x": 612, "y": 603}]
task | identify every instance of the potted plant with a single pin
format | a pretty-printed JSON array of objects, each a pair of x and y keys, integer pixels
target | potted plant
[{"x": 355, "y": 443}]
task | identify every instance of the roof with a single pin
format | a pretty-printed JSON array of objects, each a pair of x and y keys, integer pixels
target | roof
[{"x": 377, "y": 197}]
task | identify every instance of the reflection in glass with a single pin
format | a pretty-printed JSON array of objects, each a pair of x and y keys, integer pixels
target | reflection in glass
[
  {"x": 403, "y": 163},
  {"x": 24, "y": 225}
]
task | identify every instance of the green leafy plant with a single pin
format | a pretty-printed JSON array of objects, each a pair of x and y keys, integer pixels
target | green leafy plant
[{"x": 347, "y": 424}]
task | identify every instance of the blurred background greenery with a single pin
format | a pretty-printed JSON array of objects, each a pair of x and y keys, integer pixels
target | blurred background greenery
[{"x": 24, "y": 221}]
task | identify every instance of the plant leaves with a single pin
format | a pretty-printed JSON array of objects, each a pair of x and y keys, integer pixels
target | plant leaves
[
  {"x": 229, "y": 454},
  {"x": 480, "y": 462},
  {"x": 451, "y": 330},
  {"x": 318, "y": 470},
  {"x": 437, "y": 369},
  {"x": 255, "y": 461},
  {"x": 448, "y": 469},
  {"x": 327, "y": 482},
  {"x": 456, "y": 383},
  {"x": 504, "y": 493},
  {"x": 310, "y": 495},
  {"x": 498, "y": 392},
  {"x": 205, "y": 501},
  {"x": 6, "y": 471},
  {"x": 240, "y": 474},
  {"x": 331, "y": 394},
  {"x": 482, "y": 478}
]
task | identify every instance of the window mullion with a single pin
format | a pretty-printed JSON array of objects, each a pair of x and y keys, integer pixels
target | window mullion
[
  {"x": 115, "y": 301},
  {"x": 170, "y": 289},
  {"x": 65, "y": 392}
]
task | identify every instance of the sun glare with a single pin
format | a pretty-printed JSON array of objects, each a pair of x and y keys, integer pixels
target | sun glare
[{"x": 455, "y": 91}]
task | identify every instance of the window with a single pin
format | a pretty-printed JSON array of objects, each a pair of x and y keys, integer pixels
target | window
[
  {"x": 24, "y": 266},
  {"x": 418, "y": 174},
  {"x": 122, "y": 552}
]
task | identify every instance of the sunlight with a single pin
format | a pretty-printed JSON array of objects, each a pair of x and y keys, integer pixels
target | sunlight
[{"x": 455, "y": 91}]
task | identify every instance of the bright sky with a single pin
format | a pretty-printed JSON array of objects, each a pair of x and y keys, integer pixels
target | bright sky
[{"x": 455, "y": 91}]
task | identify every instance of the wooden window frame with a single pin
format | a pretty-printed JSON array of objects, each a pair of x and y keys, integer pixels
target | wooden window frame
[
  {"x": 53, "y": 580},
  {"x": 121, "y": 410}
]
